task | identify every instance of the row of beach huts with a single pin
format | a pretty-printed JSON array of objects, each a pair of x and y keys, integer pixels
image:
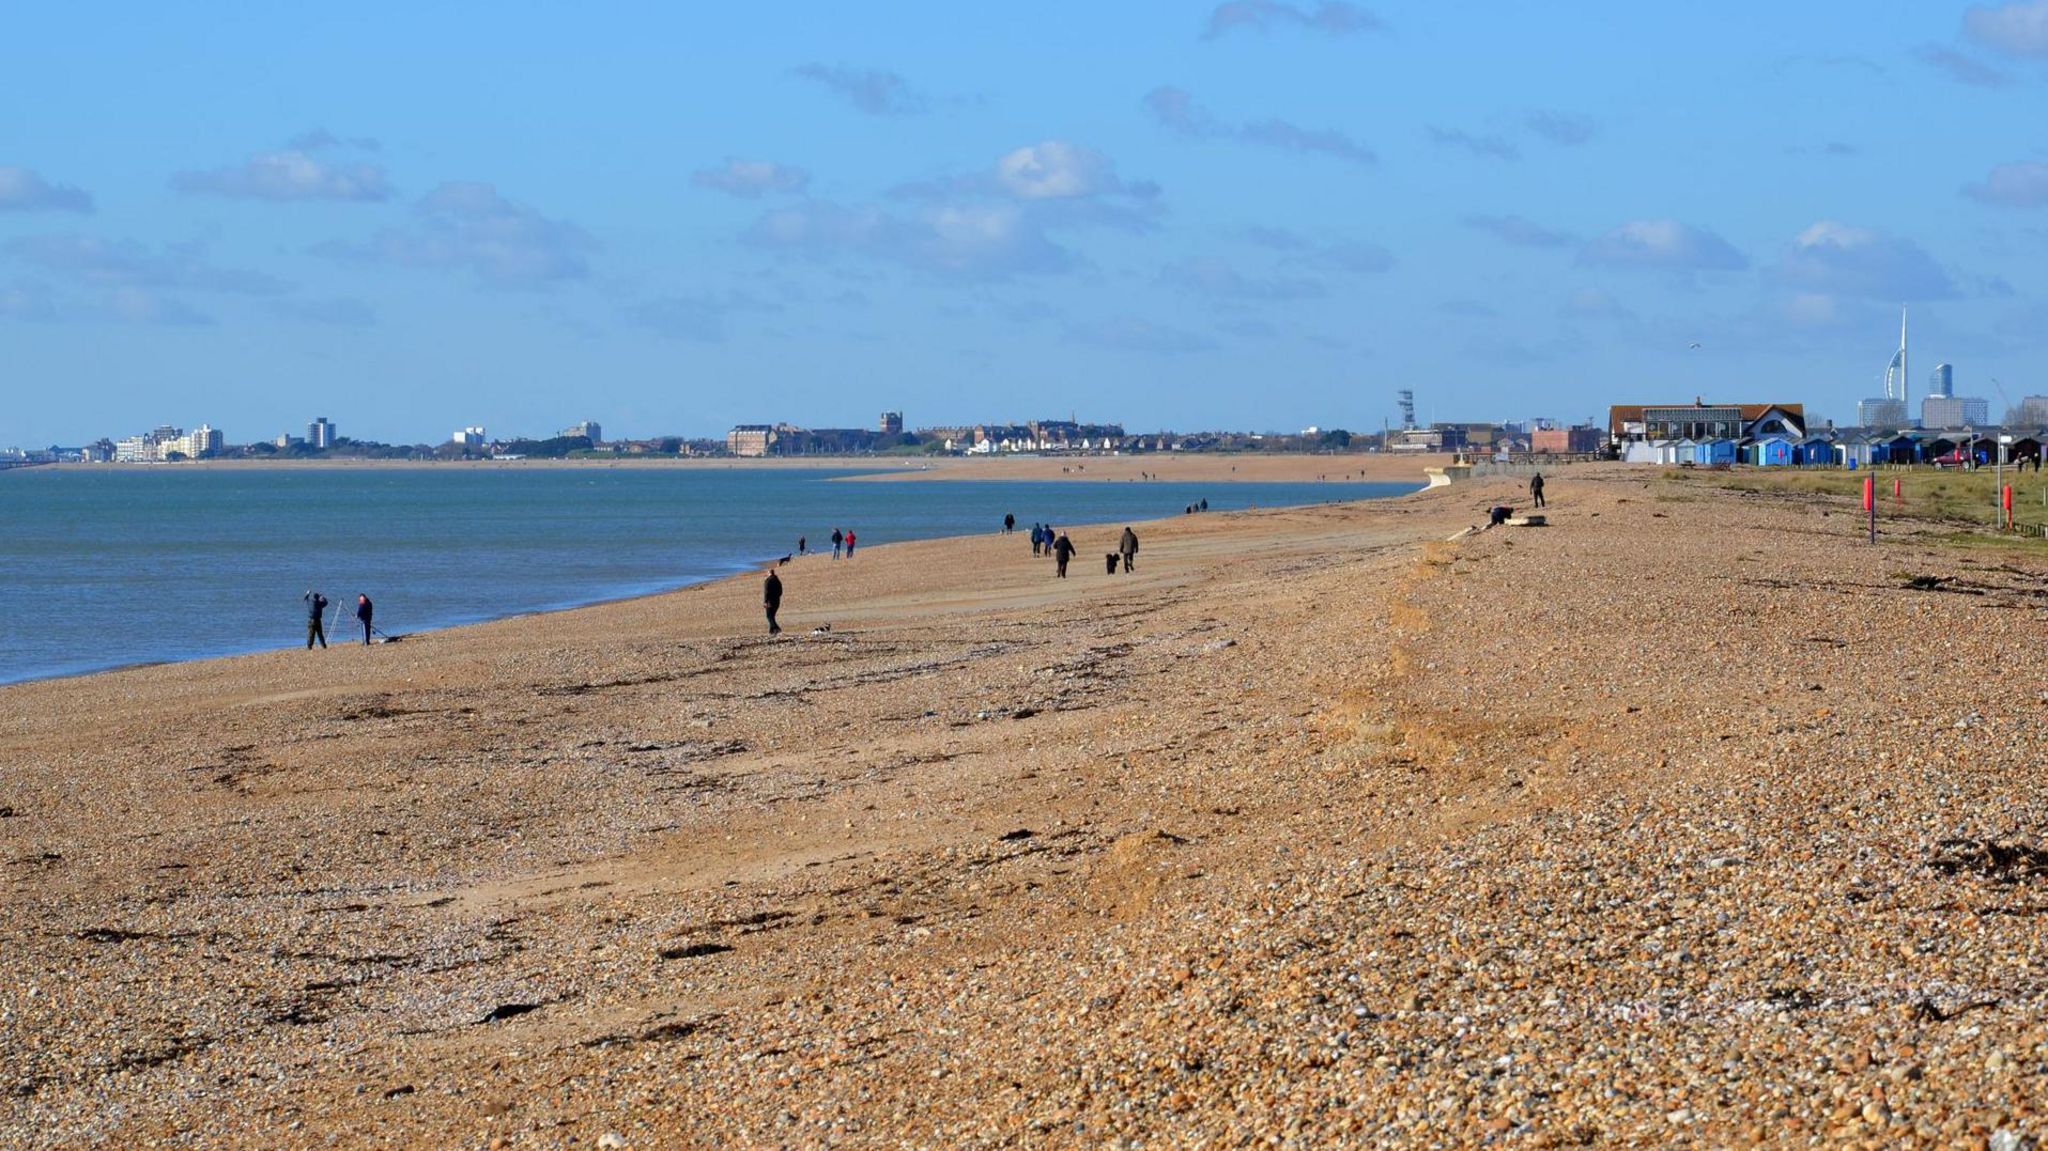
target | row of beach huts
[{"x": 1775, "y": 435}]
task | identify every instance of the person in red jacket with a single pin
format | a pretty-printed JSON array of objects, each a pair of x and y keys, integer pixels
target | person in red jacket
[{"x": 849, "y": 543}]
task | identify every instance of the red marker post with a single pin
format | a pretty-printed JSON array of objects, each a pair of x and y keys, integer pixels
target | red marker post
[
  {"x": 1898, "y": 490},
  {"x": 2005, "y": 501},
  {"x": 1870, "y": 503}
]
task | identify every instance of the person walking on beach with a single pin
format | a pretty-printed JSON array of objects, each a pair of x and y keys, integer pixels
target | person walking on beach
[
  {"x": 1127, "y": 544},
  {"x": 1536, "y": 489},
  {"x": 799, "y": 545},
  {"x": 849, "y": 543},
  {"x": 316, "y": 606},
  {"x": 364, "y": 609},
  {"x": 838, "y": 537},
  {"x": 1009, "y": 523},
  {"x": 1037, "y": 538},
  {"x": 1062, "y": 551},
  {"x": 771, "y": 598}
]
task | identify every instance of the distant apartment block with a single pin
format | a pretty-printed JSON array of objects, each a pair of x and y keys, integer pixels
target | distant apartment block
[
  {"x": 892, "y": 423},
  {"x": 321, "y": 433},
  {"x": 165, "y": 442},
  {"x": 1942, "y": 381},
  {"x": 470, "y": 438},
  {"x": 751, "y": 440},
  {"x": 589, "y": 428},
  {"x": 1954, "y": 412},
  {"x": 1565, "y": 441},
  {"x": 1878, "y": 412}
]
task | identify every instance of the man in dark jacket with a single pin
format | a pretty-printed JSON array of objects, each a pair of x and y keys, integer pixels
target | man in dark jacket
[
  {"x": 1536, "y": 489},
  {"x": 1062, "y": 551},
  {"x": 316, "y": 606},
  {"x": 363, "y": 611},
  {"x": 1128, "y": 546},
  {"x": 771, "y": 598}
]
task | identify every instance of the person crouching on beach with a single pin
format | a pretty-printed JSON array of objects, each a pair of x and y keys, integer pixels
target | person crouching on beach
[
  {"x": 364, "y": 610},
  {"x": 771, "y": 599},
  {"x": 316, "y": 606},
  {"x": 1062, "y": 551}
]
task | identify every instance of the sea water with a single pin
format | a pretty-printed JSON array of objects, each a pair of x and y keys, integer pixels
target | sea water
[{"x": 114, "y": 565}]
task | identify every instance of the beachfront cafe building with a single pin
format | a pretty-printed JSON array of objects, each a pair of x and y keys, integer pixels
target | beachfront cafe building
[{"x": 1659, "y": 433}]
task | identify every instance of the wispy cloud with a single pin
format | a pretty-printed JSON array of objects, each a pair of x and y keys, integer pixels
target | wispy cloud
[
  {"x": 970, "y": 241},
  {"x": 332, "y": 312},
  {"x": 1961, "y": 68},
  {"x": 288, "y": 175},
  {"x": 22, "y": 190},
  {"x": 1561, "y": 128},
  {"x": 871, "y": 90},
  {"x": 1520, "y": 231},
  {"x": 1488, "y": 145},
  {"x": 700, "y": 318},
  {"x": 751, "y": 179},
  {"x": 1129, "y": 334},
  {"x": 2020, "y": 185},
  {"x": 128, "y": 264},
  {"x": 1329, "y": 18},
  {"x": 469, "y": 227},
  {"x": 1350, "y": 257},
  {"x": 1176, "y": 110},
  {"x": 320, "y": 139},
  {"x": 2015, "y": 29},
  {"x": 1213, "y": 279},
  {"x": 1662, "y": 245}
]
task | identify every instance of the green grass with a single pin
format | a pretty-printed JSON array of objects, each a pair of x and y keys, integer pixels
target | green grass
[{"x": 1948, "y": 496}]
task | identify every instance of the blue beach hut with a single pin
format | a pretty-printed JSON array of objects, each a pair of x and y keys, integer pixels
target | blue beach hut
[
  {"x": 1773, "y": 451},
  {"x": 1814, "y": 451},
  {"x": 1710, "y": 452}
]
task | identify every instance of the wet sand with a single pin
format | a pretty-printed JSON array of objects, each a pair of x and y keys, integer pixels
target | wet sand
[{"x": 1688, "y": 820}]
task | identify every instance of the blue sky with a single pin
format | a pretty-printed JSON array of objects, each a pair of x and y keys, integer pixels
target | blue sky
[{"x": 1262, "y": 214}]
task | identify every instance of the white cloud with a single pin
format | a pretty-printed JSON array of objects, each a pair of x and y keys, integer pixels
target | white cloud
[
  {"x": 751, "y": 179},
  {"x": 1664, "y": 245},
  {"x": 470, "y": 227},
  {"x": 2021, "y": 185},
  {"x": 989, "y": 241},
  {"x": 2015, "y": 29},
  {"x": 22, "y": 190},
  {"x": 1330, "y": 18},
  {"x": 1835, "y": 259},
  {"x": 288, "y": 175},
  {"x": 1056, "y": 169}
]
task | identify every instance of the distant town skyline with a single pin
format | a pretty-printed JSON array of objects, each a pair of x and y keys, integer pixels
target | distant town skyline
[{"x": 1256, "y": 214}]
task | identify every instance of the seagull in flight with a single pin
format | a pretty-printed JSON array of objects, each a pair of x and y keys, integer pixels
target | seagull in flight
[{"x": 1695, "y": 345}]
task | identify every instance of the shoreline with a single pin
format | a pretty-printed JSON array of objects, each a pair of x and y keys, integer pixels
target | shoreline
[
  {"x": 1199, "y": 467},
  {"x": 344, "y": 625}
]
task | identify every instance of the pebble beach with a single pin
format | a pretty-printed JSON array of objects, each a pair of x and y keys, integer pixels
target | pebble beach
[{"x": 1688, "y": 820}]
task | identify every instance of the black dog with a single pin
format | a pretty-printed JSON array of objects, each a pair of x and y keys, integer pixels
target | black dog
[{"x": 782, "y": 561}]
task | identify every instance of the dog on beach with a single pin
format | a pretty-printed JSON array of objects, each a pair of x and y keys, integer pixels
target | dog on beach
[{"x": 783, "y": 560}]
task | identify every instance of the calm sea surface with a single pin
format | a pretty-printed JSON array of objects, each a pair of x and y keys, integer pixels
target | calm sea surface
[{"x": 103, "y": 567}]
